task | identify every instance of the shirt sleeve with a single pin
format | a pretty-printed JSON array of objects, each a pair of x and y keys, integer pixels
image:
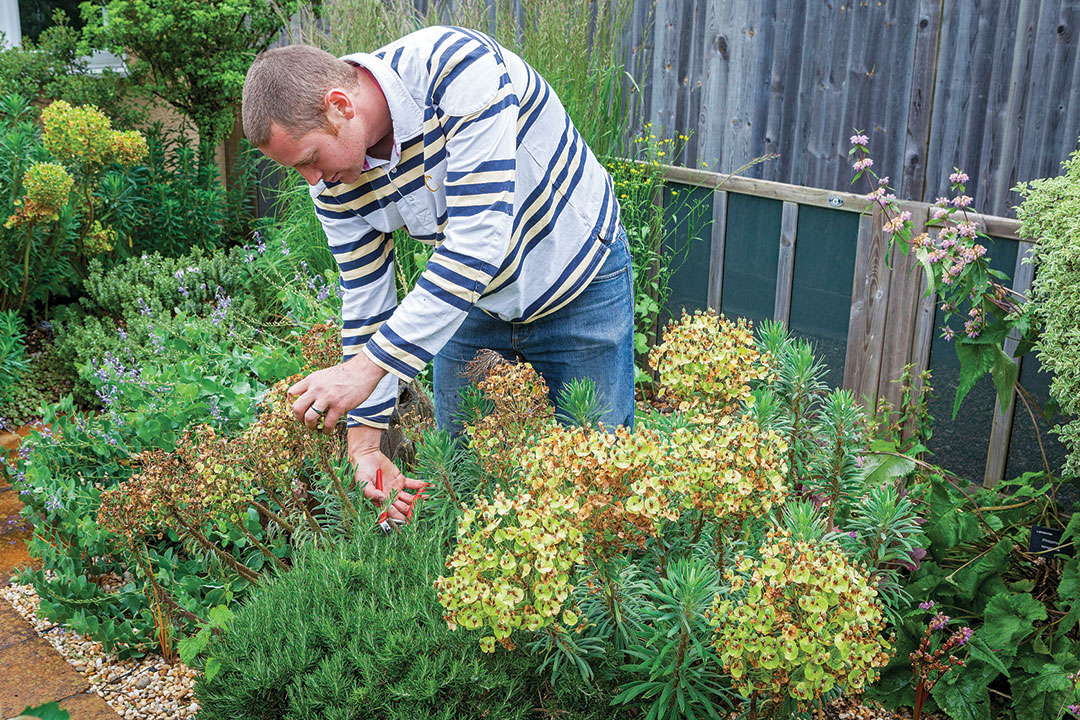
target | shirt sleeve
[
  {"x": 365, "y": 258},
  {"x": 477, "y": 109}
]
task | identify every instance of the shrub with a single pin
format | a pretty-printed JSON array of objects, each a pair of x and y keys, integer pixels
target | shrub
[
  {"x": 12, "y": 355},
  {"x": 1050, "y": 213},
  {"x": 353, "y": 630}
]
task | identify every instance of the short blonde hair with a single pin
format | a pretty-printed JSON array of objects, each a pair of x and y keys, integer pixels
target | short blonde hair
[{"x": 287, "y": 86}]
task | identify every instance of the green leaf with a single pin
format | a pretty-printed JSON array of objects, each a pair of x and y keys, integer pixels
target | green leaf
[
  {"x": 963, "y": 695},
  {"x": 48, "y": 711},
  {"x": 1003, "y": 372},
  {"x": 879, "y": 469},
  {"x": 968, "y": 578},
  {"x": 220, "y": 616},
  {"x": 192, "y": 646},
  {"x": 975, "y": 361},
  {"x": 1069, "y": 587},
  {"x": 1040, "y": 696},
  {"x": 213, "y": 667},
  {"x": 978, "y": 649},
  {"x": 1010, "y": 619}
]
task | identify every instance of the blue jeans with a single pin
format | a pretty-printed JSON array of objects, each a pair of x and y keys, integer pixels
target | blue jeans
[{"x": 591, "y": 337}]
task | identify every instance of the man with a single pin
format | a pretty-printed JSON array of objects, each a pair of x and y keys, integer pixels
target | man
[{"x": 451, "y": 136}]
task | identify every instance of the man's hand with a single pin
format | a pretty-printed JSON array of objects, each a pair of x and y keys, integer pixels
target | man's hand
[
  {"x": 365, "y": 452},
  {"x": 326, "y": 395}
]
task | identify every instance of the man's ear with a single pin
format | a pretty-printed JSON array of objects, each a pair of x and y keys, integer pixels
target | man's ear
[{"x": 339, "y": 105}]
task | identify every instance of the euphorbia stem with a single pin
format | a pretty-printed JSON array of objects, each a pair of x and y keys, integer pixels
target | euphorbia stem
[
  {"x": 242, "y": 570},
  {"x": 164, "y": 596},
  {"x": 273, "y": 516},
  {"x": 265, "y": 550},
  {"x": 350, "y": 509}
]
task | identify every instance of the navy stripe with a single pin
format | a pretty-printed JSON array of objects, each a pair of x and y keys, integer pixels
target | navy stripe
[
  {"x": 586, "y": 278},
  {"x": 350, "y": 265},
  {"x": 371, "y": 276},
  {"x": 388, "y": 359},
  {"x": 435, "y": 48},
  {"x": 361, "y": 322},
  {"x": 465, "y": 283},
  {"x": 490, "y": 112},
  {"x": 356, "y": 339},
  {"x": 446, "y": 297},
  {"x": 467, "y": 260},
  {"x": 479, "y": 188},
  {"x": 355, "y": 244},
  {"x": 377, "y": 182},
  {"x": 369, "y": 410},
  {"x": 470, "y": 210},
  {"x": 444, "y": 59},
  {"x": 402, "y": 344},
  {"x": 486, "y": 166},
  {"x": 542, "y": 301},
  {"x": 462, "y": 65},
  {"x": 396, "y": 59}
]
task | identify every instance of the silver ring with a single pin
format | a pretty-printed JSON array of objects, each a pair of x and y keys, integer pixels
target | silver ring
[{"x": 318, "y": 412}]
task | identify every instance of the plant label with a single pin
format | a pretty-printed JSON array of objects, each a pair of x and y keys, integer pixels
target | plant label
[{"x": 1047, "y": 541}]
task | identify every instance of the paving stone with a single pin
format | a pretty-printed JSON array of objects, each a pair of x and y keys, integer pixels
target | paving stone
[
  {"x": 13, "y": 629},
  {"x": 33, "y": 673},
  {"x": 88, "y": 706}
]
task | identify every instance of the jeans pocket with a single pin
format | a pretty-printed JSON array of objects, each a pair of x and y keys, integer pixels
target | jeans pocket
[{"x": 617, "y": 261}]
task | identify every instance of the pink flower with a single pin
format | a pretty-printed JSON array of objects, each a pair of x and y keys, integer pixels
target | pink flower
[
  {"x": 883, "y": 180},
  {"x": 979, "y": 250},
  {"x": 961, "y": 636},
  {"x": 961, "y": 201},
  {"x": 938, "y": 212},
  {"x": 958, "y": 178},
  {"x": 928, "y": 605},
  {"x": 966, "y": 229},
  {"x": 862, "y": 164},
  {"x": 894, "y": 224},
  {"x": 875, "y": 195},
  {"x": 942, "y": 201},
  {"x": 859, "y": 140},
  {"x": 948, "y": 334}
]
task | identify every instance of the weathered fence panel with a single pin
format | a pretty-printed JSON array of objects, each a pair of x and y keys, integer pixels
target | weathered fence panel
[{"x": 991, "y": 86}]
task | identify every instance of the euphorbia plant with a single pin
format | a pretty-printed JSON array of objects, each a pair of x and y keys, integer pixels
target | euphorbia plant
[{"x": 798, "y": 621}]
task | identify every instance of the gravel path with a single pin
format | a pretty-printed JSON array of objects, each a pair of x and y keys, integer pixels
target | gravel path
[{"x": 145, "y": 689}]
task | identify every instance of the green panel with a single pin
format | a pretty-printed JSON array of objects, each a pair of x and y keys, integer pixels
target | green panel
[
  {"x": 751, "y": 249},
  {"x": 1024, "y": 455},
  {"x": 960, "y": 445},
  {"x": 825, "y": 249},
  {"x": 687, "y": 237}
]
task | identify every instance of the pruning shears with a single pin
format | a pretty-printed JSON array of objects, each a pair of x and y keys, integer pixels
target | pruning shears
[{"x": 387, "y": 524}]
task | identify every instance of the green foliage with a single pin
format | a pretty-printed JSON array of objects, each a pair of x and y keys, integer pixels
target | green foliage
[
  {"x": 47, "y": 378},
  {"x": 173, "y": 203},
  {"x": 194, "y": 57},
  {"x": 12, "y": 355},
  {"x": 49, "y": 177},
  {"x": 680, "y": 673},
  {"x": 579, "y": 404},
  {"x": 353, "y": 629},
  {"x": 1050, "y": 214},
  {"x": 1022, "y": 608},
  {"x": 54, "y": 67},
  {"x": 48, "y": 711}
]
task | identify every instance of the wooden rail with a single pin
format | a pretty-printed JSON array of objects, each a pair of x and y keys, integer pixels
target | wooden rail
[{"x": 891, "y": 321}]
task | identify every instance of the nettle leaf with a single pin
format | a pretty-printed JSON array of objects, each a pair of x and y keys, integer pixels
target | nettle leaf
[
  {"x": 968, "y": 578},
  {"x": 880, "y": 468},
  {"x": 1069, "y": 587},
  {"x": 976, "y": 360},
  {"x": 1009, "y": 620},
  {"x": 192, "y": 646},
  {"x": 979, "y": 650},
  {"x": 1040, "y": 695},
  {"x": 962, "y": 693}
]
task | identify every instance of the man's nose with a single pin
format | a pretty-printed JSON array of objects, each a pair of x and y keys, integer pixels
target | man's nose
[{"x": 312, "y": 175}]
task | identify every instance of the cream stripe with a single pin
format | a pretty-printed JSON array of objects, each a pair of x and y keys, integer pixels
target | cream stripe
[
  {"x": 394, "y": 351},
  {"x": 369, "y": 267},
  {"x": 562, "y": 288},
  {"x": 469, "y": 296},
  {"x": 485, "y": 176},
  {"x": 382, "y": 238},
  {"x": 483, "y": 199},
  {"x": 462, "y": 269}
]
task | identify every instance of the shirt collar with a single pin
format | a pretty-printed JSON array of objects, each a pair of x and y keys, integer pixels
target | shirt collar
[{"x": 407, "y": 117}]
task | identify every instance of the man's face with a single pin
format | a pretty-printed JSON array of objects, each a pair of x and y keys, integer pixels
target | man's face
[{"x": 320, "y": 154}]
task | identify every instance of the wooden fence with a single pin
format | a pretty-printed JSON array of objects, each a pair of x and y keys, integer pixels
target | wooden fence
[
  {"x": 890, "y": 321},
  {"x": 990, "y": 86}
]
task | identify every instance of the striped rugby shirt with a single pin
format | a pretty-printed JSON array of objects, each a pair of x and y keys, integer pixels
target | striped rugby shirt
[{"x": 487, "y": 167}]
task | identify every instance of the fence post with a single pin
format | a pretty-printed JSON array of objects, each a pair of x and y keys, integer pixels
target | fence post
[
  {"x": 785, "y": 264},
  {"x": 716, "y": 250}
]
